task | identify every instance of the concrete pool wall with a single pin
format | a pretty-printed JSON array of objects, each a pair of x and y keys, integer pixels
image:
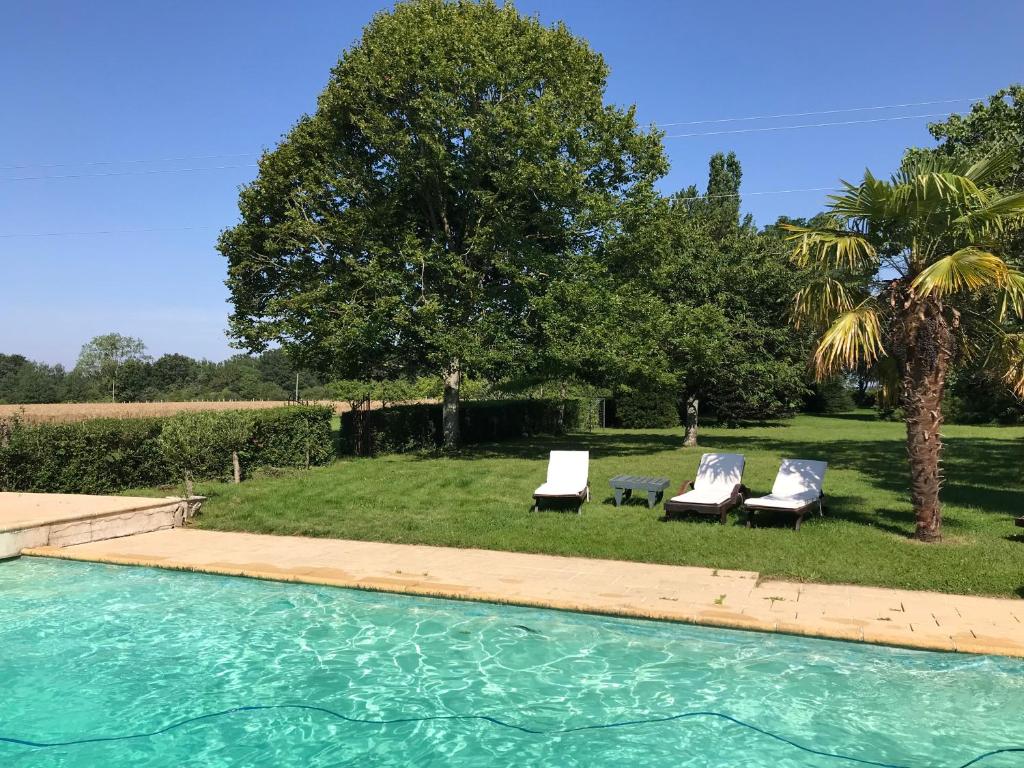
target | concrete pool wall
[{"x": 60, "y": 520}]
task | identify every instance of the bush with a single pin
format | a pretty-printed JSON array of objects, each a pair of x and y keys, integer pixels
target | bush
[
  {"x": 406, "y": 428},
  {"x": 644, "y": 409},
  {"x": 829, "y": 397},
  {"x": 296, "y": 436},
  {"x": 96, "y": 456},
  {"x": 107, "y": 455}
]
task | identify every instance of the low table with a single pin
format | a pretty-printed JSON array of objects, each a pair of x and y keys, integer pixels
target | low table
[{"x": 624, "y": 486}]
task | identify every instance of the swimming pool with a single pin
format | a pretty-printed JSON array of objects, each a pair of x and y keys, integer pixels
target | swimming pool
[{"x": 159, "y": 668}]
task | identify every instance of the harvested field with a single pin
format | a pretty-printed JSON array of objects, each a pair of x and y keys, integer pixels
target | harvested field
[{"x": 62, "y": 412}]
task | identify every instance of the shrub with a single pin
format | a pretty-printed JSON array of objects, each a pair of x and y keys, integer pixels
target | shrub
[
  {"x": 106, "y": 455},
  {"x": 418, "y": 427},
  {"x": 96, "y": 456},
  {"x": 296, "y": 436},
  {"x": 829, "y": 397},
  {"x": 645, "y": 409}
]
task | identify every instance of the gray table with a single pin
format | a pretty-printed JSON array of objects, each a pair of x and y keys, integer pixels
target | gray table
[{"x": 624, "y": 486}]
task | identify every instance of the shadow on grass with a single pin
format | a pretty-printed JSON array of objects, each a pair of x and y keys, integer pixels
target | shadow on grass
[
  {"x": 600, "y": 445},
  {"x": 852, "y": 416},
  {"x": 884, "y": 465}
]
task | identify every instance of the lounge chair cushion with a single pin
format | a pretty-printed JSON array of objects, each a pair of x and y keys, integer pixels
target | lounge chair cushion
[
  {"x": 701, "y": 496},
  {"x": 568, "y": 474},
  {"x": 797, "y": 484},
  {"x": 771, "y": 501},
  {"x": 797, "y": 476},
  {"x": 558, "y": 489},
  {"x": 719, "y": 471}
]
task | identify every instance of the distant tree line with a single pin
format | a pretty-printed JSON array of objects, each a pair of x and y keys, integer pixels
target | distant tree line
[{"x": 170, "y": 377}]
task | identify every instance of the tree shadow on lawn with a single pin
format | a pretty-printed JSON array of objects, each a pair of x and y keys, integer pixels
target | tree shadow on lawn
[
  {"x": 599, "y": 444},
  {"x": 884, "y": 464}
]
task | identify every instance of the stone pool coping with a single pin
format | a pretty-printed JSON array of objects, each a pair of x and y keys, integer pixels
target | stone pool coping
[{"x": 712, "y": 597}]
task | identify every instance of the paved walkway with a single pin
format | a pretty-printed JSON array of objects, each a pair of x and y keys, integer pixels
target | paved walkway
[
  {"x": 26, "y": 510},
  {"x": 721, "y": 598}
]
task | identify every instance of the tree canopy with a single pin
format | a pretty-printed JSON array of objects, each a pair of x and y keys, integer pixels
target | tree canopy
[{"x": 458, "y": 155}]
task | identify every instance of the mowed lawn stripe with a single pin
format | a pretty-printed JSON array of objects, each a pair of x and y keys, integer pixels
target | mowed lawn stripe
[{"x": 482, "y": 498}]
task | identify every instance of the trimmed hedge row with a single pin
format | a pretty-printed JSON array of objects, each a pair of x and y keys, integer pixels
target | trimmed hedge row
[
  {"x": 107, "y": 455},
  {"x": 406, "y": 428},
  {"x": 644, "y": 409}
]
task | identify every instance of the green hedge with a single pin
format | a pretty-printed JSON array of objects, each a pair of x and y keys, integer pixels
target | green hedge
[
  {"x": 644, "y": 409},
  {"x": 418, "y": 427},
  {"x": 96, "y": 456},
  {"x": 107, "y": 455}
]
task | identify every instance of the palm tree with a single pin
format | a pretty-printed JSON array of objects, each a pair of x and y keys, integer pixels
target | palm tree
[{"x": 904, "y": 276}]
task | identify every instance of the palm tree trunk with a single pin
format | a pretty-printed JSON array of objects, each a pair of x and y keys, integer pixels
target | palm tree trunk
[
  {"x": 450, "y": 407},
  {"x": 929, "y": 349}
]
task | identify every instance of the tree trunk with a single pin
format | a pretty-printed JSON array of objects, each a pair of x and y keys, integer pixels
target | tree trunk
[
  {"x": 450, "y": 409},
  {"x": 236, "y": 465},
  {"x": 928, "y": 353},
  {"x": 189, "y": 486},
  {"x": 690, "y": 422}
]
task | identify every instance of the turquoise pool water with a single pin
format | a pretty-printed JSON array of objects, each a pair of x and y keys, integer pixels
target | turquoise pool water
[{"x": 343, "y": 678}]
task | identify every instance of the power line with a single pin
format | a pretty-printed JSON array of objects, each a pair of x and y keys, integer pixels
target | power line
[
  {"x": 126, "y": 162},
  {"x": 127, "y": 173},
  {"x": 183, "y": 158},
  {"x": 804, "y": 125},
  {"x": 185, "y": 229},
  {"x": 767, "y": 192},
  {"x": 104, "y": 232},
  {"x": 820, "y": 112}
]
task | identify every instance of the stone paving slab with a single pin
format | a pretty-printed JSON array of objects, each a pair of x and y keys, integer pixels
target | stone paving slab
[
  {"x": 723, "y": 598},
  {"x": 28, "y": 510}
]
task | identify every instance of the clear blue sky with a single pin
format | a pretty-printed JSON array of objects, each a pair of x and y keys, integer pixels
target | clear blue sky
[{"x": 85, "y": 83}]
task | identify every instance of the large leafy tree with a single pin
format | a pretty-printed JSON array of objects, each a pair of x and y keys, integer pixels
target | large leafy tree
[
  {"x": 104, "y": 356},
  {"x": 459, "y": 154},
  {"x": 688, "y": 298},
  {"x": 897, "y": 270}
]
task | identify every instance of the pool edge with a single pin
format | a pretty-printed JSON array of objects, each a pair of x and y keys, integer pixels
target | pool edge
[{"x": 724, "y": 621}]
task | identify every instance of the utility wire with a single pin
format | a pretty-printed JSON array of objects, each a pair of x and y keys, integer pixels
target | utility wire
[
  {"x": 128, "y": 173},
  {"x": 185, "y": 229},
  {"x": 804, "y": 125},
  {"x": 750, "y": 194},
  {"x": 126, "y": 162},
  {"x": 819, "y": 112},
  {"x": 104, "y": 232},
  {"x": 65, "y": 164}
]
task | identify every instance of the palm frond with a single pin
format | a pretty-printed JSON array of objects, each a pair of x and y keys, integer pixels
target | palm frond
[
  {"x": 868, "y": 200},
  {"x": 991, "y": 216},
  {"x": 820, "y": 300},
  {"x": 991, "y": 168},
  {"x": 887, "y": 372},
  {"x": 965, "y": 270},
  {"x": 855, "y": 337},
  {"x": 1011, "y": 295},
  {"x": 1010, "y": 352},
  {"x": 830, "y": 247}
]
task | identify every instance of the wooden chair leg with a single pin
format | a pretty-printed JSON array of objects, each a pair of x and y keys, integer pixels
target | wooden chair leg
[{"x": 724, "y": 516}]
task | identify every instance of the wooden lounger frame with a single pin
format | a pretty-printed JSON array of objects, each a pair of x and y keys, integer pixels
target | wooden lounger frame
[
  {"x": 721, "y": 509},
  {"x": 579, "y": 498},
  {"x": 800, "y": 512}
]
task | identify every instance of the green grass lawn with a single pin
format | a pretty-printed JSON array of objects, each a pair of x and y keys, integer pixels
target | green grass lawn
[{"x": 482, "y": 499}]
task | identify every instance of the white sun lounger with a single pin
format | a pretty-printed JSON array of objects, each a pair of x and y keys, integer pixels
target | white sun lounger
[
  {"x": 716, "y": 489},
  {"x": 797, "y": 490},
  {"x": 568, "y": 479}
]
